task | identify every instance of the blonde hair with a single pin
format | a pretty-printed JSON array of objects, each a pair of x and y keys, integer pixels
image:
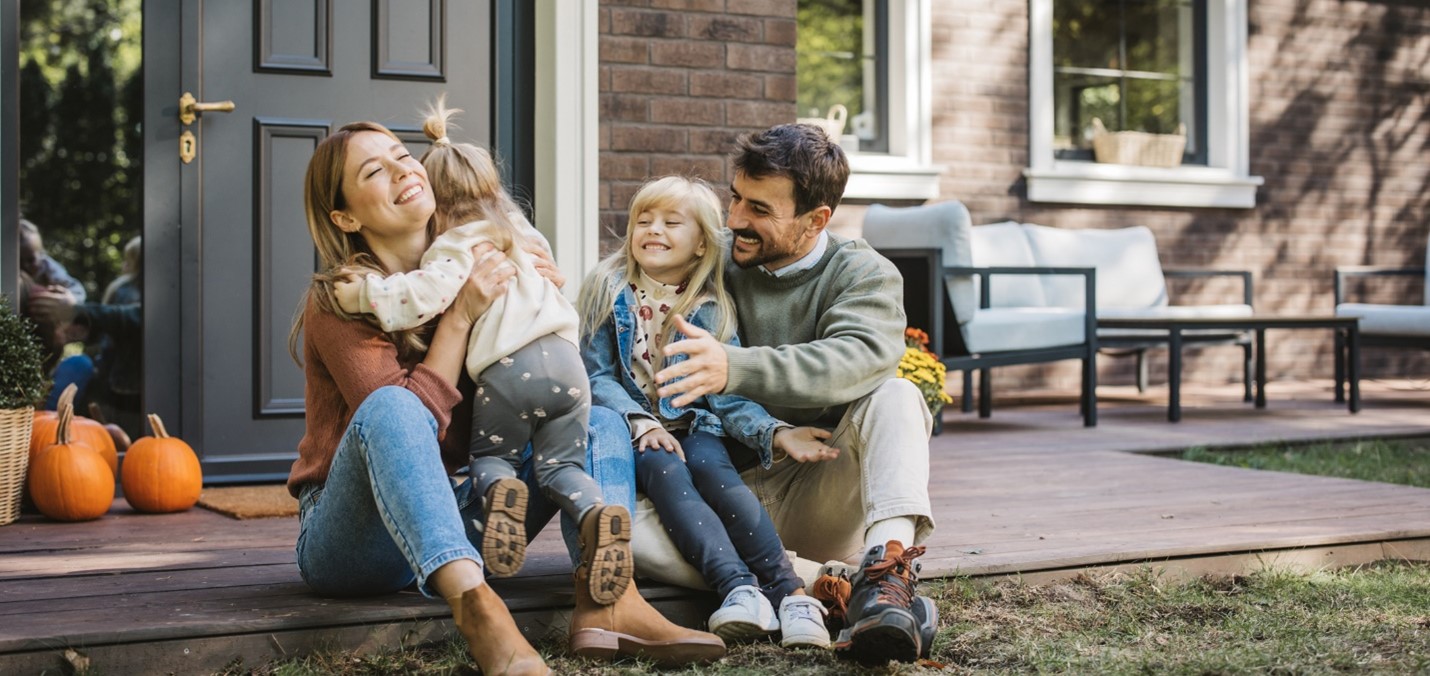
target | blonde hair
[
  {"x": 464, "y": 179},
  {"x": 133, "y": 265},
  {"x": 341, "y": 253},
  {"x": 707, "y": 272}
]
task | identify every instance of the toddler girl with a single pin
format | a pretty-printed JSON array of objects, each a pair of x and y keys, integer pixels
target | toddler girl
[
  {"x": 530, "y": 382},
  {"x": 671, "y": 265}
]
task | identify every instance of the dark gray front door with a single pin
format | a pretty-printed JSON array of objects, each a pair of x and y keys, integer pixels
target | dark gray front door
[{"x": 237, "y": 254}]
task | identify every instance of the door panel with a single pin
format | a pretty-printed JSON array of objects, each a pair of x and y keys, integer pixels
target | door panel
[{"x": 296, "y": 71}]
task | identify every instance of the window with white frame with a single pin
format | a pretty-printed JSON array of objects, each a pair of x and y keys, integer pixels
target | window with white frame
[
  {"x": 867, "y": 62},
  {"x": 1139, "y": 102}
]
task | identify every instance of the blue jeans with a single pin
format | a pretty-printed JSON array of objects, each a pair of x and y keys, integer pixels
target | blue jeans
[
  {"x": 79, "y": 370},
  {"x": 715, "y": 521},
  {"x": 389, "y": 515}
]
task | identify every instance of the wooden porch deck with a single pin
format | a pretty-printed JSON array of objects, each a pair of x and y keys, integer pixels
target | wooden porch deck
[{"x": 1027, "y": 492}]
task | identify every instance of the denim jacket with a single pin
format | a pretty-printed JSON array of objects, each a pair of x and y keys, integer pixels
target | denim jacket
[{"x": 607, "y": 354}]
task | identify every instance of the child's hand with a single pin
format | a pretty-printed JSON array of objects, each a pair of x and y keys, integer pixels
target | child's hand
[
  {"x": 659, "y": 438},
  {"x": 805, "y": 444},
  {"x": 349, "y": 294},
  {"x": 543, "y": 262}
]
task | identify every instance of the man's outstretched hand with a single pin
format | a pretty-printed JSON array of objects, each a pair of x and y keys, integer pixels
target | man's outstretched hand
[{"x": 704, "y": 371}]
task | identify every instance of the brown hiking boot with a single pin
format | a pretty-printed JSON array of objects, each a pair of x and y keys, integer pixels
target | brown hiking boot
[
  {"x": 833, "y": 591},
  {"x": 881, "y": 624},
  {"x": 606, "y": 552},
  {"x": 631, "y": 627},
  {"x": 492, "y": 637},
  {"x": 504, "y": 530}
]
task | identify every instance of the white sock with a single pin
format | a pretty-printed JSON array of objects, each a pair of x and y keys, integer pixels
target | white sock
[{"x": 899, "y": 528}]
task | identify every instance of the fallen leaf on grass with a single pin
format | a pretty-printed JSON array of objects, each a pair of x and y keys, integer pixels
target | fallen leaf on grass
[{"x": 77, "y": 660}]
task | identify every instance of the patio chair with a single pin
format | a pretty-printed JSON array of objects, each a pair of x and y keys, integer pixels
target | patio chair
[
  {"x": 1392, "y": 326},
  {"x": 946, "y": 295}
]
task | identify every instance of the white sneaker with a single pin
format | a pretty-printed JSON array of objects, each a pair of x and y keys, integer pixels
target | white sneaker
[
  {"x": 745, "y": 614},
  {"x": 802, "y": 623}
]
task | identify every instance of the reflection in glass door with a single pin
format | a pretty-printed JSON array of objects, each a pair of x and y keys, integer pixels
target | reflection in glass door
[{"x": 81, "y": 95}]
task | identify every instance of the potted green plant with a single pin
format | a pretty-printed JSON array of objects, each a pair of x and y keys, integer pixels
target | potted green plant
[{"x": 22, "y": 385}]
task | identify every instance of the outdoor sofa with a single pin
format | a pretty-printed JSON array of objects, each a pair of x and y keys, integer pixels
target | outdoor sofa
[{"x": 1015, "y": 293}]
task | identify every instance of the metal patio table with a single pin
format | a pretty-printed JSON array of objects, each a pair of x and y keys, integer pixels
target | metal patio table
[{"x": 1348, "y": 328}]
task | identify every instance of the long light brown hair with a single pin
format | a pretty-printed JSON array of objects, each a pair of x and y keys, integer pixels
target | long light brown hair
[
  {"x": 341, "y": 253},
  {"x": 465, "y": 180},
  {"x": 707, "y": 272}
]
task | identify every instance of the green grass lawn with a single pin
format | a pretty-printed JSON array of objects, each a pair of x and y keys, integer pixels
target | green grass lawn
[
  {"x": 1396, "y": 461},
  {"x": 1369, "y": 619}
]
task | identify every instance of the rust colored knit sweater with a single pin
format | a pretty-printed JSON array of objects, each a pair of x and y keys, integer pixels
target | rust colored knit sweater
[{"x": 346, "y": 360}]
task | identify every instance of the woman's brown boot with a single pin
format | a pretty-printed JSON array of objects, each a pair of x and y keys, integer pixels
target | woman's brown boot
[
  {"x": 631, "y": 627},
  {"x": 606, "y": 551},
  {"x": 492, "y": 637}
]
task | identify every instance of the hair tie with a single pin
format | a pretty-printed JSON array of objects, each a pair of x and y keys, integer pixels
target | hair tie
[{"x": 443, "y": 141}]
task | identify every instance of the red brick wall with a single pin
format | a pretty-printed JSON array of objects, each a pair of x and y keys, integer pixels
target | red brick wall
[
  {"x": 679, "y": 81},
  {"x": 1340, "y": 126}
]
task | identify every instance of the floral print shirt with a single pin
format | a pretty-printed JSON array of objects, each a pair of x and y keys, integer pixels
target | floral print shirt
[{"x": 654, "y": 302}]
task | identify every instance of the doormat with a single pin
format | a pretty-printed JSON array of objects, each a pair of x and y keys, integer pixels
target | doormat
[{"x": 250, "y": 502}]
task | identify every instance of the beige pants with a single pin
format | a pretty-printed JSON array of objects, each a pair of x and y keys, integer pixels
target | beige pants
[{"x": 822, "y": 509}]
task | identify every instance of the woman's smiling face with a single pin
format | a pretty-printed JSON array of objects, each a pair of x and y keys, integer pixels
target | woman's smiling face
[{"x": 385, "y": 189}]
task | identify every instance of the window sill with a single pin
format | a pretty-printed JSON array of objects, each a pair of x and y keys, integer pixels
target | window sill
[
  {"x": 1116, "y": 184},
  {"x": 890, "y": 177}
]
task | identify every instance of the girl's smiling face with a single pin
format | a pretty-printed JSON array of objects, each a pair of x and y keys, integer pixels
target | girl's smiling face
[{"x": 665, "y": 243}]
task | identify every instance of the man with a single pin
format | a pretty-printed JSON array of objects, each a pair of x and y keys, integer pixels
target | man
[{"x": 822, "y": 324}]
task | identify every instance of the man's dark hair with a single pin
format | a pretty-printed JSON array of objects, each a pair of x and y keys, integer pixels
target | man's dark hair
[{"x": 803, "y": 154}]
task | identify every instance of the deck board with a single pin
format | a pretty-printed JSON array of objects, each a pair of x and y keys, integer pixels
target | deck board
[{"x": 1028, "y": 492}]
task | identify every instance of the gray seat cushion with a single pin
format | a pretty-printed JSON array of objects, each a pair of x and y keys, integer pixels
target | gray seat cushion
[
  {"x": 1005, "y": 245},
  {"x": 1230, "y": 311},
  {"x": 943, "y": 225},
  {"x": 1129, "y": 274},
  {"x": 1393, "y": 320},
  {"x": 1005, "y": 329}
]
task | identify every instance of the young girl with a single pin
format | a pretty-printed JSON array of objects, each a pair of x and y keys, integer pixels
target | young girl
[
  {"x": 531, "y": 385},
  {"x": 671, "y": 265}
]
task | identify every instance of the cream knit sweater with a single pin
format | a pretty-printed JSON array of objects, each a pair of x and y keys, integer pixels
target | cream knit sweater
[{"x": 532, "y": 306}]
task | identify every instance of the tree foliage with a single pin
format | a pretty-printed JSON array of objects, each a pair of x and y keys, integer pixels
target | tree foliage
[
  {"x": 81, "y": 98},
  {"x": 830, "y": 65}
]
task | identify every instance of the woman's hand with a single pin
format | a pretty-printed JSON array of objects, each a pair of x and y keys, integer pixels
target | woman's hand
[
  {"x": 805, "y": 444},
  {"x": 659, "y": 438},
  {"x": 543, "y": 262},
  {"x": 490, "y": 276}
]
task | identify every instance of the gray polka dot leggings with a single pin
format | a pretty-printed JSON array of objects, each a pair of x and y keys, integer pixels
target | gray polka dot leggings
[{"x": 538, "y": 394}]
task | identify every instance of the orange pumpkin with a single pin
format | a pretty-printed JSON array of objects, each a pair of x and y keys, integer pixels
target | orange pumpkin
[
  {"x": 69, "y": 481},
  {"x": 161, "y": 473},
  {"x": 42, "y": 432}
]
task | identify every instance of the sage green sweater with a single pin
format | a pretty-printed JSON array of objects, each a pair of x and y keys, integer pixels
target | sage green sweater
[{"x": 816, "y": 340}]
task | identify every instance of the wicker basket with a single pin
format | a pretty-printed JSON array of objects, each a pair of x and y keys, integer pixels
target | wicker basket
[
  {"x": 14, "y": 459},
  {"x": 833, "y": 124},
  {"x": 1138, "y": 147}
]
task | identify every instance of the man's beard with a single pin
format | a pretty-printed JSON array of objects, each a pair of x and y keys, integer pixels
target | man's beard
[{"x": 763, "y": 254}]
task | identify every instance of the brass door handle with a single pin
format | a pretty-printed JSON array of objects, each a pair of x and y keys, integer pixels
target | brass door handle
[{"x": 190, "y": 108}]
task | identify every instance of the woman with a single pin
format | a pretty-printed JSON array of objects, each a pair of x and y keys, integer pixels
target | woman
[{"x": 379, "y": 508}]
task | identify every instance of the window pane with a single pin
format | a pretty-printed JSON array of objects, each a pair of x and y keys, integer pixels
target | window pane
[
  {"x": 81, "y": 99},
  {"x": 1130, "y": 64},
  {"x": 1085, "y": 34},
  {"x": 840, "y": 62}
]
